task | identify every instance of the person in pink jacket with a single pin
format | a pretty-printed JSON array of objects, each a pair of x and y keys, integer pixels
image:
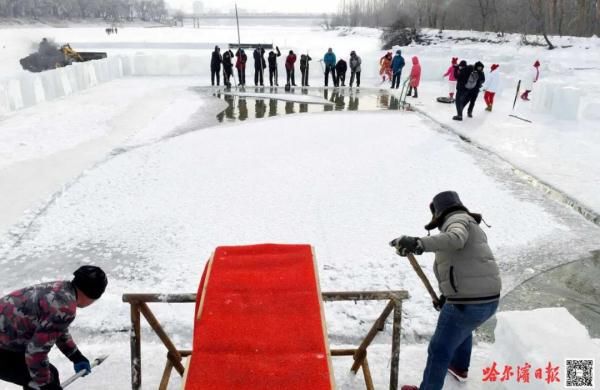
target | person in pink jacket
[
  {"x": 451, "y": 79},
  {"x": 415, "y": 77}
]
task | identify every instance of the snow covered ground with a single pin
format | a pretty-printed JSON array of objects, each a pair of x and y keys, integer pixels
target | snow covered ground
[{"x": 133, "y": 175}]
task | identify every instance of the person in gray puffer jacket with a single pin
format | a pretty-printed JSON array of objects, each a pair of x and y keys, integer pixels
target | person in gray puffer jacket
[{"x": 469, "y": 279}]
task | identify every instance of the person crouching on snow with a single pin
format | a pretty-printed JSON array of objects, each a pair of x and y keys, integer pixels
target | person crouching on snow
[
  {"x": 35, "y": 318},
  {"x": 532, "y": 77},
  {"x": 468, "y": 278},
  {"x": 451, "y": 79},
  {"x": 491, "y": 86},
  {"x": 415, "y": 77}
]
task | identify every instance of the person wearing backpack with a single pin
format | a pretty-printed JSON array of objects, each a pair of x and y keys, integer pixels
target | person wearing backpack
[
  {"x": 474, "y": 83},
  {"x": 461, "y": 74}
]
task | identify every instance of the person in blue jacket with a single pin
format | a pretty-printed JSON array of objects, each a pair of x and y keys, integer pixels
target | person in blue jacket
[
  {"x": 397, "y": 65},
  {"x": 330, "y": 60}
]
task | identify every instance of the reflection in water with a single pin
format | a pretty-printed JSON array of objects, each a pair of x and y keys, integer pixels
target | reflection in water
[
  {"x": 384, "y": 100},
  {"x": 243, "y": 108},
  {"x": 272, "y": 107},
  {"x": 260, "y": 108},
  {"x": 289, "y": 107},
  {"x": 341, "y": 100}
]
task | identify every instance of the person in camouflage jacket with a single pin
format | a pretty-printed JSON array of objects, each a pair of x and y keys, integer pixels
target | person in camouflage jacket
[{"x": 35, "y": 318}]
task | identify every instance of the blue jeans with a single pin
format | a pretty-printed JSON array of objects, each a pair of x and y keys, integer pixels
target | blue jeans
[{"x": 452, "y": 341}]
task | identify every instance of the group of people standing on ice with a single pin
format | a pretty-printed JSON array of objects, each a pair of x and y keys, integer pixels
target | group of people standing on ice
[
  {"x": 331, "y": 65},
  {"x": 466, "y": 81},
  {"x": 390, "y": 68}
]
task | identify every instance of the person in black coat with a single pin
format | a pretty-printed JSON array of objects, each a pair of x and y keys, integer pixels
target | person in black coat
[
  {"x": 227, "y": 67},
  {"x": 462, "y": 71},
  {"x": 469, "y": 79},
  {"x": 215, "y": 65},
  {"x": 272, "y": 59},
  {"x": 473, "y": 93},
  {"x": 304, "y": 66},
  {"x": 341, "y": 67},
  {"x": 259, "y": 65}
]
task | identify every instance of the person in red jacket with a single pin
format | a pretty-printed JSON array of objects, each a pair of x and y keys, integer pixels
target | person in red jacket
[
  {"x": 415, "y": 77},
  {"x": 240, "y": 65},
  {"x": 289, "y": 68},
  {"x": 34, "y": 319}
]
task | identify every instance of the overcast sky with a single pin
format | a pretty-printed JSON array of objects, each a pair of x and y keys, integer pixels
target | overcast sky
[{"x": 308, "y": 6}]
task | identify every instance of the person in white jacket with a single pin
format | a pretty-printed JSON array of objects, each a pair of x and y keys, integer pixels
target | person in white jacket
[
  {"x": 491, "y": 86},
  {"x": 532, "y": 77}
]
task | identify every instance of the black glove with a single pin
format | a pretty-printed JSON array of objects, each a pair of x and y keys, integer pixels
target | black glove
[
  {"x": 80, "y": 363},
  {"x": 406, "y": 244},
  {"x": 440, "y": 303}
]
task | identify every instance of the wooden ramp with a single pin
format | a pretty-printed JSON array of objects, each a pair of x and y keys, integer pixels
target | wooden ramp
[{"x": 259, "y": 322}]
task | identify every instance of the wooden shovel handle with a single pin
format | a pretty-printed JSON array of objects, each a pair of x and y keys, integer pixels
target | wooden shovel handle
[{"x": 423, "y": 278}]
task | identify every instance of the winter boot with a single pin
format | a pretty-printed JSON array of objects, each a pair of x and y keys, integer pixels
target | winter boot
[
  {"x": 415, "y": 95},
  {"x": 489, "y": 107},
  {"x": 457, "y": 118},
  {"x": 459, "y": 375},
  {"x": 470, "y": 114}
]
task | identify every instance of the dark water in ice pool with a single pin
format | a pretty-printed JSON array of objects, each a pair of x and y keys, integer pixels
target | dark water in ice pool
[
  {"x": 241, "y": 108},
  {"x": 574, "y": 286}
]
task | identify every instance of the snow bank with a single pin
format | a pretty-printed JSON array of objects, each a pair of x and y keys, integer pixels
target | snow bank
[
  {"x": 538, "y": 337},
  {"x": 33, "y": 88}
]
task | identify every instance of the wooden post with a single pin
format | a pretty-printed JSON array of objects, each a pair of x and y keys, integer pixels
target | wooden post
[
  {"x": 361, "y": 352},
  {"x": 367, "y": 375},
  {"x": 396, "y": 344},
  {"x": 164, "y": 382},
  {"x": 163, "y": 337},
  {"x": 136, "y": 348}
]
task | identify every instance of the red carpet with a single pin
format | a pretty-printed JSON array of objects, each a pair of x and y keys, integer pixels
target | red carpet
[{"x": 259, "y": 322}]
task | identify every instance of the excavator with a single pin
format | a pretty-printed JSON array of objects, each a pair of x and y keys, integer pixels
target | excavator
[{"x": 50, "y": 56}]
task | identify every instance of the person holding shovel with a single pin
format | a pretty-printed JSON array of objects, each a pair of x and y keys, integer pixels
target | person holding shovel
[
  {"x": 35, "y": 318},
  {"x": 468, "y": 278}
]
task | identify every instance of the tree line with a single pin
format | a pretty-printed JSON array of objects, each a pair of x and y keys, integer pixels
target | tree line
[
  {"x": 110, "y": 10},
  {"x": 546, "y": 17}
]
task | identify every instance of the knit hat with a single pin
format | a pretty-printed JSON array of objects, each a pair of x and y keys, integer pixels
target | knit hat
[
  {"x": 90, "y": 280},
  {"x": 443, "y": 204},
  {"x": 494, "y": 66},
  {"x": 454, "y": 60}
]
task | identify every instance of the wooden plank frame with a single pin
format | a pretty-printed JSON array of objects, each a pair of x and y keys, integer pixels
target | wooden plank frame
[{"x": 139, "y": 306}]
